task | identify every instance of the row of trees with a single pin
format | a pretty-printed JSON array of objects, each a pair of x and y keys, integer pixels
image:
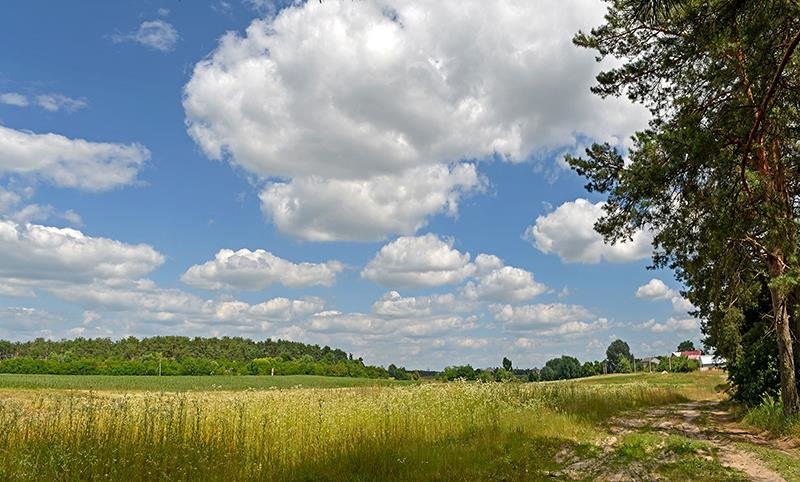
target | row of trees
[
  {"x": 172, "y": 347},
  {"x": 176, "y": 355},
  {"x": 618, "y": 360},
  {"x": 152, "y": 365}
]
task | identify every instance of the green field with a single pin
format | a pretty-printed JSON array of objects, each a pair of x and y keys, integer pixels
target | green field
[
  {"x": 182, "y": 383},
  {"x": 213, "y": 428}
]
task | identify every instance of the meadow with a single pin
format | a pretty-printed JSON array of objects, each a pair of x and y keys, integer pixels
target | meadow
[
  {"x": 312, "y": 428},
  {"x": 433, "y": 431}
]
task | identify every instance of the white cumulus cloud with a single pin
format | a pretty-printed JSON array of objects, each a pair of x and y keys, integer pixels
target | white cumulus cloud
[
  {"x": 321, "y": 209},
  {"x": 393, "y": 305},
  {"x": 569, "y": 233},
  {"x": 65, "y": 162},
  {"x": 419, "y": 261},
  {"x": 655, "y": 289},
  {"x": 527, "y": 317},
  {"x": 506, "y": 284},
  {"x": 258, "y": 270},
  {"x": 334, "y": 97},
  {"x": 34, "y": 254}
]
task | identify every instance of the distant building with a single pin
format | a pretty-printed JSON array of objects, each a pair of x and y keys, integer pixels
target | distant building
[
  {"x": 691, "y": 355},
  {"x": 710, "y": 361}
]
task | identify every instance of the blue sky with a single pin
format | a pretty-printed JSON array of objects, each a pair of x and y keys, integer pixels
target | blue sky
[{"x": 380, "y": 176}]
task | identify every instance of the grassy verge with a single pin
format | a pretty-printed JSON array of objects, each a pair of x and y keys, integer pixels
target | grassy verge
[
  {"x": 785, "y": 464},
  {"x": 769, "y": 417},
  {"x": 709, "y": 385},
  {"x": 181, "y": 383}
]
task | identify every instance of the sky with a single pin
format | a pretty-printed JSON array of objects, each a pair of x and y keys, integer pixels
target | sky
[{"x": 382, "y": 176}]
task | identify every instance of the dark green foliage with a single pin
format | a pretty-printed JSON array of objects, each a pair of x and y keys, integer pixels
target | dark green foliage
[
  {"x": 590, "y": 369},
  {"x": 716, "y": 174},
  {"x": 754, "y": 373},
  {"x": 563, "y": 368},
  {"x": 686, "y": 346},
  {"x": 465, "y": 372},
  {"x": 507, "y": 364},
  {"x": 678, "y": 364},
  {"x": 174, "y": 347},
  {"x": 616, "y": 351},
  {"x": 174, "y": 355}
]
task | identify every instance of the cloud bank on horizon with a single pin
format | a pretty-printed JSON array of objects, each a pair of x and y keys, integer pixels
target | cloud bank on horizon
[{"x": 390, "y": 159}]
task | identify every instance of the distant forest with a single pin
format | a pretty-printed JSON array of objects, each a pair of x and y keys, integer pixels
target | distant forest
[{"x": 179, "y": 355}]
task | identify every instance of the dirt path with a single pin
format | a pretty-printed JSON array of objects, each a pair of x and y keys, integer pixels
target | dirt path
[
  {"x": 689, "y": 441},
  {"x": 708, "y": 422}
]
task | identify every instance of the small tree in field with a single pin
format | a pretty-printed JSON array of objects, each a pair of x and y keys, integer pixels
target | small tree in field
[
  {"x": 617, "y": 350},
  {"x": 507, "y": 364}
]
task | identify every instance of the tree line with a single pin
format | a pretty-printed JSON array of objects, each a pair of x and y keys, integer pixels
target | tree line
[
  {"x": 177, "y": 355},
  {"x": 618, "y": 360}
]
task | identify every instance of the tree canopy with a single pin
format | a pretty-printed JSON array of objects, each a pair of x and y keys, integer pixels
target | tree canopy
[{"x": 714, "y": 176}]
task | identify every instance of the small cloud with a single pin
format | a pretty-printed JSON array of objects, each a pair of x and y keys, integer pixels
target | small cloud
[
  {"x": 13, "y": 98},
  {"x": 222, "y": 7},
  {"x": 56, "y": 102},
  {"x": 263, "y": 7},
  {"x": 73, "y": 218},
  {"x": 655, "y": 289},
  {"x": 163, "y": 12},
  {"x": 156, "y": 34}
]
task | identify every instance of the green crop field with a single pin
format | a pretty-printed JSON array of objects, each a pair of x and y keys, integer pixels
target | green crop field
[
  {"x": 150, "y": 428},
  {"x": 181, "y": 383}
]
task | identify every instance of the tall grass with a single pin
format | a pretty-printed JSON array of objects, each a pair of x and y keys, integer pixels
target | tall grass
[
  {"x": 441, "y": 431},
  {"x": 769, "y": 416}
]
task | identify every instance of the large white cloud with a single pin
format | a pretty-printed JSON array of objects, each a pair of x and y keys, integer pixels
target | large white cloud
[
  {"x": 506, "y": 284},
  {"x": 35, "y": 254},
  {"x": 419, "y": 261},
  {"x": 321, "y": 209},
  {"x": 65, "y": 162},
  {"x": 331, "y": 93},
  {"x": 569, "y": 232},
  {"x": 426, "y": 261},
  {"x": 258, "y": 270},
  {"x": 355, "y": 89}
]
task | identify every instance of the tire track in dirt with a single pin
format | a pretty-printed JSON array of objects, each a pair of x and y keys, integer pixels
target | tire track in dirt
[{"x": 717, "y": 429}]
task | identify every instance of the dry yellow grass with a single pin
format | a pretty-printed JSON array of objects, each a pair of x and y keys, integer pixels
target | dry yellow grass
[{"x": 408, "y": 432}]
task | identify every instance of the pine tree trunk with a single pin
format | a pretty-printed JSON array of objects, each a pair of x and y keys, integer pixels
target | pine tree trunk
[
  {"x": 795, "y": 330},
  {"x": 783, "y": 331}
]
